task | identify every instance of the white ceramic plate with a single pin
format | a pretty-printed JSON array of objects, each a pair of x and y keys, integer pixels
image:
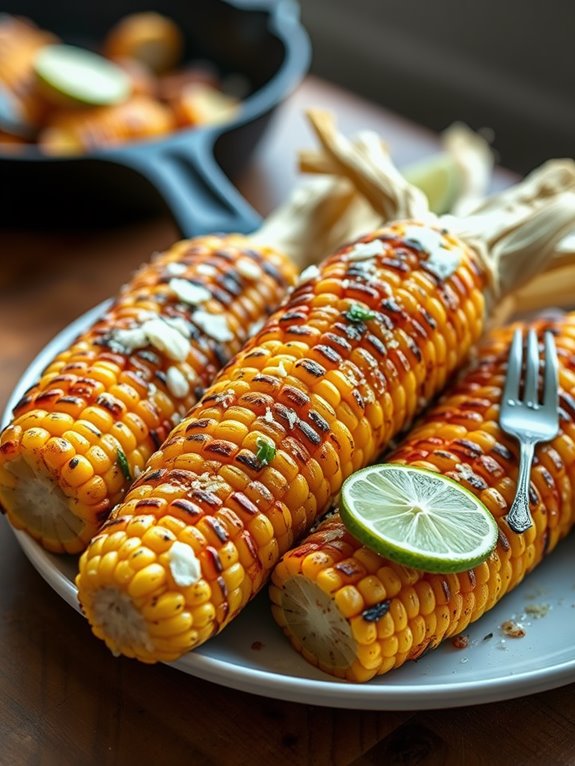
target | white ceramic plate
[{"x": 252, "y": 654}]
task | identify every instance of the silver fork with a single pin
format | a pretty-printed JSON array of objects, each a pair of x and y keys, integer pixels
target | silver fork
[{"x": 527, "y": 419}]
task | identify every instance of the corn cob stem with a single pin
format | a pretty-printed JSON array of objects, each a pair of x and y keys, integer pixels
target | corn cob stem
[
  {"x": 355, "y": 614},
  {"x": 358, "y": 349}
]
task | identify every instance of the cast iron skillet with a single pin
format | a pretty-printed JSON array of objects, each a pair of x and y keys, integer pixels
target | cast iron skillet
[{"x": 259, "y": 39}]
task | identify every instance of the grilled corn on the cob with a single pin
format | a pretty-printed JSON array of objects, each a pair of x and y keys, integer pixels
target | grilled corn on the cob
[
  {"x": 358, "y": 349},
  {"x": 355, "y": 614}
]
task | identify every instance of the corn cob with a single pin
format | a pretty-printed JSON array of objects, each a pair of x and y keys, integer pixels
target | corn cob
[
  {"x": 355, "y": 614},
  {"x": 86, "y": 429},
  {"x": 344, "y": 365},
  {"x": 104, "y": 404}
]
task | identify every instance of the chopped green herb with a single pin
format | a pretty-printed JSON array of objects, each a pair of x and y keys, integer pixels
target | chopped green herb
[
  {"x": 358, "y": 313},
  {"x": 124, "y": 465},
  {"x": 266, "y": 451}
]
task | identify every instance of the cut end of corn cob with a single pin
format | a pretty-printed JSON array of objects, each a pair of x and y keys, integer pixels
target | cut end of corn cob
[
  {"x": 37, "y": 504},
  {"x": 316, "y": 626}
]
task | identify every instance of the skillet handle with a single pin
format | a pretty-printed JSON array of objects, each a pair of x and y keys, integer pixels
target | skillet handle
[{"x": 197, "y": 192}]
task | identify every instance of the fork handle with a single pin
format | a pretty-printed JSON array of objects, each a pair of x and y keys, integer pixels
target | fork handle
[{"x": 519, "y": 516}]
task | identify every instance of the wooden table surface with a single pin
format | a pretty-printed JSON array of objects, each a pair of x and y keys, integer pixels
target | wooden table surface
[{"x": 63, "y": 698}]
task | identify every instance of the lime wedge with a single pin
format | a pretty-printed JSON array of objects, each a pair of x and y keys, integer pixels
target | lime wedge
[
  {"x": 77, "y": 75},
  {"x": 417, "y": 518},
  {"x": 438, "y": 177}
]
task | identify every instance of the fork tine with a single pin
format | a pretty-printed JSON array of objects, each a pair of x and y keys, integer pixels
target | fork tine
[
  {"x": 551, "y": 390},
  {"x": 531, "y": 370},
  {"x": 513, "y": 376}
]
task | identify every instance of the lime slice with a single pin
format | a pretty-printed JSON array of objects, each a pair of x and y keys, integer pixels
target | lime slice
[
  {"x": 81, "y": 76},
  {"x": 438, "y": 177},
  {"x": 417, "y": 518}
]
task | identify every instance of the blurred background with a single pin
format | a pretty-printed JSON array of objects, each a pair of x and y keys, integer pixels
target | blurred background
[{"x": 504, "y": 65}]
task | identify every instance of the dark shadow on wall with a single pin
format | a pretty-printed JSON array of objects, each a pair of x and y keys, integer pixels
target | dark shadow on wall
[{"x": 507, "y": 65}]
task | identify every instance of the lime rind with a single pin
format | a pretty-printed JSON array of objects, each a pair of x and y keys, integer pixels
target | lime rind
[
  {"x": 81, "y": 76},
  {"x": 418, "y": 518}
]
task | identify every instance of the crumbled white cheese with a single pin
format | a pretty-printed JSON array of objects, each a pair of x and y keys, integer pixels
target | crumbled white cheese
[
  {"x": 226, "y": 398},
  {"x": 282, "y": 372},
  {"x": 176, "y": 269},
  {"x": 177, "y": 383},
  {"x": 463, "y": 470},
  {"x": 441, "y": 261},
  {"x": 184, "y": 564},
  {"x": 168, "y": 336},
  {"x": 311, "y": 272},
  {"x": 214, "y": 325},
  {"x": 206, "y": 270},
  {"x": 364, "y": 251},
  {"x": 292, "y": 417},
  {"x": 248, "y": 269},
  {"x": 188, "y": 292},
  {"x": 269, "y": 415}
]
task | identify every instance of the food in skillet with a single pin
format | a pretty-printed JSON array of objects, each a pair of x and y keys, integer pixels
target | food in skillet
[
  {"x": 68, "y": 100},
  {"x": 356, "y": 614},
  {"x": 357, "y": 350}
]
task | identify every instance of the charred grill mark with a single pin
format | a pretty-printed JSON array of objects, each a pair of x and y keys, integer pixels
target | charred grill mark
[
  {"x": 392, "y": 306},
  {"x": 214, "y": 559},
  {"x": 377, "y": 611},
  {"x": 329, "y": 353},
  {"x": 245, "y": 503},
  {"x": 293, "y": 315},
  {"x": 249, "y": 460},
  {"x": 320, "y": 422},
  {"x": 471, "y": 449},
  {"x": 296, "y": 397},
  {"x": 189, "y": 508},
  {"x": 299, "y": 329},
  {"x": 201, "y": 424},
  {"x": 312, "y": 367},
  {"x": 198, "y": 438},
  {"x": 312, "y": 436},
  {"x": 208, "y": 498},
  {"x": 149, "y": 502},
  {"x": 502, "y": 451},
  {"x": 503, "y": 540},
  {"x": 337, "y": 340},
  {"x": 364, "y": 290},
  {"x": 112, "y": 405},
  {"x": 221, "y": 447},
  {"x": 376, "y": 344},
  {"x": 358, "y": 398}
]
